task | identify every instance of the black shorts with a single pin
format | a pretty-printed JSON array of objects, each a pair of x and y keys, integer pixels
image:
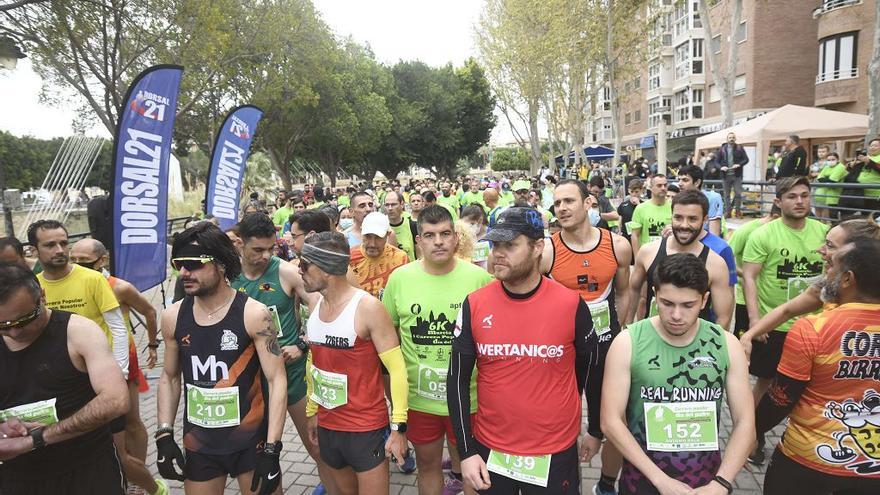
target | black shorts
[
  {"x": 564, "y": 478},
  {"x": 766, "y": 355},
  {"x": 361, "y": 450},
  {"x": 740, "y": 320},
  {"x": 101, "y": 474},
  {"x": 117, "y": 425},
  {"x": 205, "y": 467},
  {"x": 785, "y": 476}
]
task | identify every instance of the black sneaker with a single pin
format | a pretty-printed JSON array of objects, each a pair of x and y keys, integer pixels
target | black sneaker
[{"x": 757, "y": 457}]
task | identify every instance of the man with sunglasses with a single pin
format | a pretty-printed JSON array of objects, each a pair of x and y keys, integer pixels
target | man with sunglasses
[
  {"x": 132, "y": 440},
  {"x": 59, "y": 389},
  {"x": 225, "y": 345},
  {"x": 72, "y": 288},
  {"x": 278, "y": 285}
]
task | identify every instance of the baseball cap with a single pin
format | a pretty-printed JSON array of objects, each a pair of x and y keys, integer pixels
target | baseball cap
[
  {"x": 375, "y": 223},
  {"x": 520, "y": 185},
  {"x": 514, "y": 221}
]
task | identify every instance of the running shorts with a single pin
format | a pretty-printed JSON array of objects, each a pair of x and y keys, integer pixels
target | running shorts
[
  {"x": 424, "y": 428},
  {"x": 296, "y": 380},
  {"x": 741, "y": 320},
  {"x": 361, "y": 450},
  {"x": 766, "y": 355},
  {"x": 134, "y": 369},
  {"x": 785, "y": 476},
  {"x": 564, "y": 477},
  {"x": 205, "y": 467},
  {"x": 101, "y": 474}
]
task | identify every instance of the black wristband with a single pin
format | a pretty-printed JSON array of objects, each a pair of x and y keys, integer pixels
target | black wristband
[
  {"x": 153, "y": 346},
  {"x": 162, "y": 431},
  {"x": 723, "y": 482},
  {"x": 302, "y": 346}
]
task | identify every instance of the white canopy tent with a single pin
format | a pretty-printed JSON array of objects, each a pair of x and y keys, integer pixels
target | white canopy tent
[{"x": 807, "y": 122}]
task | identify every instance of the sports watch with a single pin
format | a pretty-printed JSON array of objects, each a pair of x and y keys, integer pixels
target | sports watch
[
  {"x": 273, "y": 448},
  {"x": 398, "y": 427},
  {"x": 37, "y": 436}
]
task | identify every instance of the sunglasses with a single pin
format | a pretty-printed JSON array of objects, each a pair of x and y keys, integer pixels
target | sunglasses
[
  {"x": 191, "y": 263},
  {"x": 24, "y": 320},
  {"x": 88, "y": 264}
]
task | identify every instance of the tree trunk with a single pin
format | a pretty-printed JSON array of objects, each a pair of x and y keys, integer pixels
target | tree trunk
[
  {"x": 874, "y": 82},
  {"x": 724, "y": 80},
  {"x": 281, "y": 168},
  {"x": 610, "y": 67},
  {"x": 535, "y": 145}
]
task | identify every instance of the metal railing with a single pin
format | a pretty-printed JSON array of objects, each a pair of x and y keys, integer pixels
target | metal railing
[
  {"x": 757, "y": 199},
  {"x": 837, "y": 75},
  {"x": 829, "y": 5}
]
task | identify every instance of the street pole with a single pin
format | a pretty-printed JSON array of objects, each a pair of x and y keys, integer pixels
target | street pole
[
  {"x": 661, "y": 141},
  {"x": 7, "y": 211}
]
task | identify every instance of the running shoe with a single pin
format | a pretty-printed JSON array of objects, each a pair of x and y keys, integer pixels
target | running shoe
[
  {"x": 452, "y": 486},
  {"x": 597, "y": 490},
  {"x": 135, "y": 490},
  {"x": 409, "y": 463},
  {"x": 758, "y": 457},
  {"x": 319, "y": 490},
  {"x": 162, "y": 487}
]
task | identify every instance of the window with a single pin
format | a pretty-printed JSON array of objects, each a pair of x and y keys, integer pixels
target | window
[
  {"x": 653, "y": 76},
  {"x": 742, "y": 33},
  {"x": 682, "y": 110},
  {"x": 739, "y": 85},
  {"x": 697, "y": 54},
  {"x": 682, "y": 60},
  {"x": 654, "y": 114},
  {"x": 696, "y": 14},
  {"x": 714, "y": 94},
  {"x": 680, "y": 14},
  {"x": 627, "y": 119},
  {"x": 606, "y": 98},
  {"x": 716, "y": 44},
  {"x": 637, "y": 116},
  {"x": 637, "y": 82},
  {"x": 697, "y": 101},
  {"x": 837, "y": 57}
]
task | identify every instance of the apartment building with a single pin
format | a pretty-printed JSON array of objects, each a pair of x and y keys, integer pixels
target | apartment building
[{"x": 777, "y": 64}]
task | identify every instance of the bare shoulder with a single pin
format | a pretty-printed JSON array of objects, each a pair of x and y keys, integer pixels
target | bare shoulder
[
  {"x": 254, "y": 310},
  {"x": 370, "y": 305},
  {"x": 622, "y": 247},
  {"x": 170, "y": 313}
]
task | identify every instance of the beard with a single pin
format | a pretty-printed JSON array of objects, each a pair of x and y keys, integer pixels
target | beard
[
  {"x": 829, "y": 290},
  {"x": 515, "y": 273},
  {"x": 685, "y": 236}
]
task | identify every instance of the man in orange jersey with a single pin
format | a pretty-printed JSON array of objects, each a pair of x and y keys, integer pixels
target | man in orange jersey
[
  {"x": 828, "y": 383},
  {"x": 374, "y": 259}
]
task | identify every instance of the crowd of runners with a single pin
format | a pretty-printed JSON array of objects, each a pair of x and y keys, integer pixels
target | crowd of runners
[{"x": 457, "y": 329}]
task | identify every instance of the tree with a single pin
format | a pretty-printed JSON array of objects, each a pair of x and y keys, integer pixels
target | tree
[
  {"x": 724, "y": 77},
  {"x": 505, "y": 159}
]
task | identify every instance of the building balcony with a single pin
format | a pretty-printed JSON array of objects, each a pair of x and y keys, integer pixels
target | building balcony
[
  {"x": 830, "y": 5},
  {"x": 837, "y": 75}
]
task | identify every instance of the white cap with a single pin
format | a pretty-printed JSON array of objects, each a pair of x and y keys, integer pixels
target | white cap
[{"x": 375, "y": 223}]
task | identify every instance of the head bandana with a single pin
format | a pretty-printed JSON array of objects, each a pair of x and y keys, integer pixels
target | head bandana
[{"x": 329, "y": 261}]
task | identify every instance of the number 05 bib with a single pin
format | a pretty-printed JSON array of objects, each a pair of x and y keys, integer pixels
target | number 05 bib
[
  {"x": 212, "y": 407},
  {"x": 681, "y": 426}
]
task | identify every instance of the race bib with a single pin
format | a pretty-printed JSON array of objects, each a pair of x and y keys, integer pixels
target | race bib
[
  {"x": 681, "y": 426},
  {"x": 212, "y": 407},
  {"x": 273, "y": 310},
  {"x": 432, "y": 383},
  {"x": 533, "y": 469},
  {"x": 331, "y": 389},
  {"x": 797, "y": 285},
  {"x": 35, "y": 412},
  {"x": 481, "y": 252},
  {"x": 601, "y": 314}
]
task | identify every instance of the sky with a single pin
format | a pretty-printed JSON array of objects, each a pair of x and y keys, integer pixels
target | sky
[{"x": 433, "y": 32}]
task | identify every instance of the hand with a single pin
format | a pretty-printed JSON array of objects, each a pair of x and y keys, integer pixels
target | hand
[
  {"x": 863, "y": 158},
  {"x": 724, "y": 169},
  {"x": 152, "y": 356},
  {"x": 712, "y": 488},
  {"x": 312, "y": 427},
  {"x": 589, "y": 447},
  {"x": 475, "y": 473},
  {"x": 290, "y": 353},
  {"x": 14, "y": 427},
  {"x": 667, "y": 231},
  {"x": 395, "y": 447},
  {"x": 267, "y": 474},
  {"x": 12, "y": 447},
  {"x": 634, "y": 201},
  {"x": 669, "y": 486},
  {"x": 167, "y": 451}
]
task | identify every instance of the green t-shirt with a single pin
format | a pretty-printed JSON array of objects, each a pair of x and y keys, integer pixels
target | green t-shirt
[
  {"x": 343, "y": 200},
  {"x": 829, "y": 196},
  {"x": 450, "y": 201},
  {"x": 738, "y": 246},
  {"x": 506, "y": 198},
  {"x": 870, "y": 175},
  {"x": 790, "y": 263},
  {"x": 472, "y": 197},
  {"x": 405, "y": 239},
  {"x": 424, "y": 308},
  {"x": 282, "y": 215},
  {"x": 651, "y": 219}
]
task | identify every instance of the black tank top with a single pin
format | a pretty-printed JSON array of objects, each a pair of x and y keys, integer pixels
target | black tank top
[
  {"x": 44, "y": 371},
  {"x": 214, "y": 357},
  {"x": 661, "y": 255}
]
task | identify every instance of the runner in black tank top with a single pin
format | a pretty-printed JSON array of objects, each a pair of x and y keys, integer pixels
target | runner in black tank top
[
  {"x": 661, "y": 255},
  {"x": 48, "y": 363}
]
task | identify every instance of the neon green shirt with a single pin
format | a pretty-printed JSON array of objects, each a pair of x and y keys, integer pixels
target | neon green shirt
[
  {"x": 450, "y": 201},
  {"x": 790, "y": 263},
  {"x": 738, "y": 245},
  {"x": 425, "y": 307},
  {"x": 650, "y": 219},
  {"x": 282, "y": 215},
  {"x": 343, "y": 200},
  {"x": 829, "y": 196},
  {"x": 870, "y": 175},
  {"x": 472, "y": 197}
]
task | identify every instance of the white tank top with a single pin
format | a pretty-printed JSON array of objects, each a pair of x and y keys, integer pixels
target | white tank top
[{"x": 339, "y": 333}]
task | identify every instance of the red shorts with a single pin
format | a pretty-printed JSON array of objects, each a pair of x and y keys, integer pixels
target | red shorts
[
  {"x": 134, "y": 371},
  {"x": 423, "y": 428}
]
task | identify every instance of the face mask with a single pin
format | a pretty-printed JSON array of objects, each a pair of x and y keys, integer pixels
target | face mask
[
  {"x": 475, "y": 230},
  {"x": 595, "y": 218},
  {"x": 346, "y": 223}
]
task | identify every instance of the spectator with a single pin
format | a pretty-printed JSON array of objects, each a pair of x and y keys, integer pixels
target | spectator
[
  {"x": 711, "y": 169},
  {"x": 606, "y": 210},
  {"x": 794, "y": 162},
  {"x": 870, "y": 174},
  {"x": 832, "y": 171},
  {"x": 731, "y": 158},
  {"x": 628, "y": 205}
]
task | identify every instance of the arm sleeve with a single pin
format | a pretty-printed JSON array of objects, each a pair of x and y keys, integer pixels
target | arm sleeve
[
  {"x": 393, "y": 361},
  {"x": 119, "y": 336},
  {"x": 458, "y": 380},
  {"x": 754, "y": 251},
  {"x": 588, "y": 366},
  {"x": 777, "y": 403}
]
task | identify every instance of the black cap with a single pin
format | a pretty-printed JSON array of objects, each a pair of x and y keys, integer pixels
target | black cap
[{"x": 514, "y": 221}]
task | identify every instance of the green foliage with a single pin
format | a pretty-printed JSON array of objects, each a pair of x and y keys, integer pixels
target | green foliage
[
  {"x": 26, "y": 161},
  {"x": 504, "y": 159}
]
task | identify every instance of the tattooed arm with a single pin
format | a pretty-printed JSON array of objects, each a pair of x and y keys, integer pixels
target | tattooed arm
[{"x": 261, "y": 327}]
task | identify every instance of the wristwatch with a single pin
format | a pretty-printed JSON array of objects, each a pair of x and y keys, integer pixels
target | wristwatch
[
  {"x": 302, "y": 346},
  {"x": 37, "y": 436},
  {"x": 398, "y": 427},
  {"x": 273, "y": 448},
  {"x": 163, "y": 429}
]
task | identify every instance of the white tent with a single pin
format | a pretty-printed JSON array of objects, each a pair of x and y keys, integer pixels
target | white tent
[{"x": 807, "y": 122}]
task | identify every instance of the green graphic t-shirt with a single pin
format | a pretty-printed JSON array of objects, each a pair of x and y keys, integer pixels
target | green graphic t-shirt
[
  {"x": 790, "y": 261},
  {"x": 405, "y": 239},
  {"x": 738, "y": 245},
  {"x": 424, "y": 307},
  {"x": 651, "y": 219}
]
